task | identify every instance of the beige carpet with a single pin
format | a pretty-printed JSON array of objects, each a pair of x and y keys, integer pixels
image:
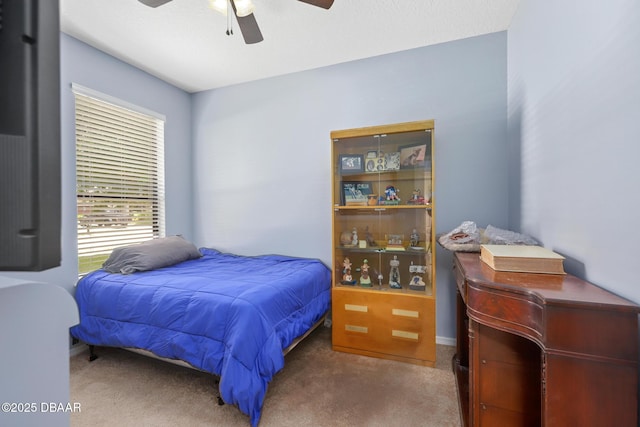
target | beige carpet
[{"x": 317, "y": 387}]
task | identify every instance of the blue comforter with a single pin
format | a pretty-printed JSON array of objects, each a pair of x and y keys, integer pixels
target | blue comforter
[{"x": 225, "y": 314}]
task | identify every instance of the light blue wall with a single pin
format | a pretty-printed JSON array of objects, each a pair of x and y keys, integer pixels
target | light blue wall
[
  {"x": 574, "y": 121},
  {"x": 262, "y": 149},
  {"x": 96, "y": 70}
]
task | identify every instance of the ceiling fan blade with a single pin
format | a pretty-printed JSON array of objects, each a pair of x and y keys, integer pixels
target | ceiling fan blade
[
  {"x": 248, "y": 27},
  {"x": 325, "y": 4},
  {"x": 154, "y": 3}
]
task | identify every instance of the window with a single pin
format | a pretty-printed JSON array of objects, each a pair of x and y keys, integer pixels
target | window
[{"x": 119, "y": 175}]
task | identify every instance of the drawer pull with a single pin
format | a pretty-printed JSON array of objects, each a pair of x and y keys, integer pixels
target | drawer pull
[
  {"x": 405, "y": 313},
  {"x": 354, "y": 307},
  {"x": 354, "y": 328},
  {"x": 404, "y": 334}
]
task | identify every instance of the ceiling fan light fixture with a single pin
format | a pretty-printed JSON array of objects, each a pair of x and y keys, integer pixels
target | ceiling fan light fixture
[
  {"x": 243, "y": 7},
  {"x": 219, "y": 6}
]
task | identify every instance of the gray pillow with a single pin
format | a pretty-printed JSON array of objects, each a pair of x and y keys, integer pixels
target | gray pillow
[{"x": 151, "y": 254}]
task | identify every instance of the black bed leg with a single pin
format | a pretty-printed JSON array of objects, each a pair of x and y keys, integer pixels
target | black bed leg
[
  {"x": 92, "y": 354},
  {"x": 216, "y": 380}
]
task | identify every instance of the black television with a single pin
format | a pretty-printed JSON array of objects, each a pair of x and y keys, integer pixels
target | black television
[{"x": 30, "y": 195}]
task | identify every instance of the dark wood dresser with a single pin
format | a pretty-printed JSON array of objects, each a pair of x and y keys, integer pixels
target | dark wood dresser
[{"x": 542, "y": 350}]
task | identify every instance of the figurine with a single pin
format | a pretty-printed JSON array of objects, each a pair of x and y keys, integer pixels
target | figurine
[
  {"x": 345, "y": 238},
  {"x": 414, "y": 239},
  {"x": 347, "y": 278},
  {"x": 394, "y": 273},
  {"x": 417, "y": 284},
  {"x": 365, "y": 280},
  {"x": 391, "y": 195},
  {"x": 394, "y": 242},
  {"x": 354, "y": 236},
  {"x": 369, "y": 238},
  {"x": 417, "y": 198}
]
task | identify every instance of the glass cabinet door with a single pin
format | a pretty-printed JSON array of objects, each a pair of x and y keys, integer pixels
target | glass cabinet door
[{"x": 383, "y": 208}]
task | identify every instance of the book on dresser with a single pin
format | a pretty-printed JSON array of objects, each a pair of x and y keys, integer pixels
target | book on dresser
[{"x": 522, "y": 258}]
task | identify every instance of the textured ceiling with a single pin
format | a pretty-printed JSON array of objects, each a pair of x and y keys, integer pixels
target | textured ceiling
[{"x": 184, "y": 41}]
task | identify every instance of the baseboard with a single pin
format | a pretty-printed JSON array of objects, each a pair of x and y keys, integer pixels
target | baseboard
[
  {"x": 77, "y": 349},
  {"x": 446, "y": 341}
]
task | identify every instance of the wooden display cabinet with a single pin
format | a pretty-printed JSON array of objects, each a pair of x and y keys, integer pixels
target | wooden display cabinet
[{"x": 383, "y": 260}]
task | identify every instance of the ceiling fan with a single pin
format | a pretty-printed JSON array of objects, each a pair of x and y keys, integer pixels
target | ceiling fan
[{"x": 246, "y": 21}]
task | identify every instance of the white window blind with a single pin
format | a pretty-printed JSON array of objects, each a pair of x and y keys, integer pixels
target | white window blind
[{"x": 119, "y": 177}]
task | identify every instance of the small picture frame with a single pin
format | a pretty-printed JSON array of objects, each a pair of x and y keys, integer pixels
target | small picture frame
[
  {"x": 371, "y": 164},
  {"x": 392, "y": 161},
  {"x": 414, "y": 156},
  {"x": 355, "y": 193},
  {"x": 377, "y": 161},
  {"x": 370, "y": 161},
  {"x": 351, "y": 163}
]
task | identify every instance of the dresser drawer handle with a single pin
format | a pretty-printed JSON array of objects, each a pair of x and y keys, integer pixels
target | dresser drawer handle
[
  {"x": 354, "y": 307},
  {"x": 404, "y": 334},
  {"x": 405, "y": 313},
  {"x": 355, "y": 328}
]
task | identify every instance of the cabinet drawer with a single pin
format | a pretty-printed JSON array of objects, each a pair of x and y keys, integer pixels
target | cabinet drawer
[
  {"x": 387, "y": 339},
  {"x": 384, "y": 323},
  {"x": 506, "y": 308},
  {"x": 491, "y": 416},
  {"x": 506, "y": 386}
]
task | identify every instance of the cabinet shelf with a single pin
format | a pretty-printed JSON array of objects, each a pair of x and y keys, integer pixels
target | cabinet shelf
[
  {"x": 381, "y": 250},
  {"x": 400, "y": 174},
  {"x": 380, "y": 208}
]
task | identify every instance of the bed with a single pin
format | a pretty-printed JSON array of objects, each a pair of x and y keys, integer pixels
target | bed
[{"x": 232, "y": 316}]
